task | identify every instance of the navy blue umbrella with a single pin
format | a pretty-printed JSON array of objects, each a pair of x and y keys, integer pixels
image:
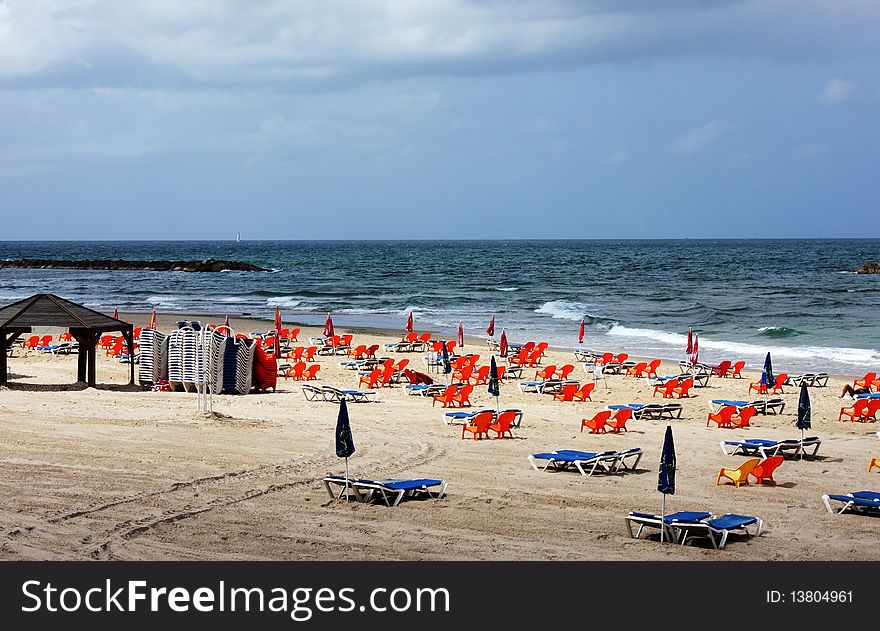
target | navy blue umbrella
[
  {"x": 666, "y": 479},
  {"x": 447, "y": 368},
  {"x": 344, "y": 440},
  {"x": 805, "y": 411},
  {"x": 494, "y": 382},
  {"x": 767, "y": 374}
]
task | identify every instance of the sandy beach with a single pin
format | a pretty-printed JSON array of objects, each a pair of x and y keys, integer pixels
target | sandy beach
[{"x": 116, "y": 472}]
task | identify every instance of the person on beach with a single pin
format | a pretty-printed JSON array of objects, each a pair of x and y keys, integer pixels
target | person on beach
[{"x": 851, "y": 391}]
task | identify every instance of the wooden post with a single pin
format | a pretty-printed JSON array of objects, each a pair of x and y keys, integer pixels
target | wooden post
[
  {"x": 92, "y": 340},
  {"x": 4, "y": 344},
  {"x": 81, "y": 360}
]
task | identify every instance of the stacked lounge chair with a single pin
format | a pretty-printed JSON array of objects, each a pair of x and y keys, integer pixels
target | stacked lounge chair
[{"x": 154, "y": 357}]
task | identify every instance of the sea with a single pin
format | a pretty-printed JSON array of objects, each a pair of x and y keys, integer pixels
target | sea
[{"x": 799, "y": 300}]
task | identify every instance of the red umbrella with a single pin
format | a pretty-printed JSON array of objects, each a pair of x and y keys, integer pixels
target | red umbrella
[
  {"x": 460, "y": 335},
  {"x": 277, "y": 331},
  {"x": 696, "y": 351},
  {"x": 116, "y": 314},
  {"x": 328, "y": 326},
  {"x": 690, "y": 346},
  {"x": 409, "y": 323},
  {"x": 153, "y": 320},
  {"x": 228, "y": 328},
  {"x": 502, "y": 347},
  {"x": 490, "y": 331},
  {"x": 581, "y": 333}
]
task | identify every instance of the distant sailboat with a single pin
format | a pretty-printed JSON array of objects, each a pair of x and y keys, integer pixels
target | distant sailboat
[{"x": 237, "y": 237}]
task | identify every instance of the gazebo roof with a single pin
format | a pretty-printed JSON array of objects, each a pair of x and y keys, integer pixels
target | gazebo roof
[{"x": 51, "y": 310}]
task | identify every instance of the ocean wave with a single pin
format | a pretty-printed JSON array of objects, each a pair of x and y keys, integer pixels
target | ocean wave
[
  {"x": 857, "y": 356},
  {"x": 778, "y": 332},
  {"x": 563, "y": 310},
  {"x": 507, "y": 289}
]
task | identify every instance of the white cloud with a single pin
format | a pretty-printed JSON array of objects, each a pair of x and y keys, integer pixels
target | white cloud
[
  {"x": 283, "y": 44},
  {"x": 696, "y": 138},
  {"x": 837, "y": 91}
]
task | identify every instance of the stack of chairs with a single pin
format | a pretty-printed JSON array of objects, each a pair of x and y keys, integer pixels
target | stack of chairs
[{"x": 153, "y": 348}]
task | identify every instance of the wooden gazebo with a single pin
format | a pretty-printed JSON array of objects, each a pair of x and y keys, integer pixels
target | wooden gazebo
[{"x": 84, "y": 324}]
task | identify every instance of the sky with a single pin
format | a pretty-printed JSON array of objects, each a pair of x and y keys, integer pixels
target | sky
[{"x": 386, "y": 119}]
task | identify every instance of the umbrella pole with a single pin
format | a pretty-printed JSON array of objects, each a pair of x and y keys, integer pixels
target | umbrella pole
[
  {"x": 346, "y": 478},
  {"x": 802, "y": 443},
  {"x": 663, "y": 517},
  {"x": 498, "y": 407}
]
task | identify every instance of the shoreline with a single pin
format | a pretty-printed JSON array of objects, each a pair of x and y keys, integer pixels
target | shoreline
[{"x": 142, "y": 319}]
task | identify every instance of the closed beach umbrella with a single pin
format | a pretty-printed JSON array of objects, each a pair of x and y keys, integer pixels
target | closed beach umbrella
[
  {"x": 494, "y": 382},
  {"x": 767, "y": 374},
  {"x": 666, "y": 479},
  {"x": 344, "y": 440},
  {"x": 116, "y": 314},
  {"x": 804, "y": 413},
  {"x": 447, "y": 367},
  {"x": 690, "y": 344},
  {"x": 409, "y": 323},
  {"x": 502, "y": 346},
  {"x": 228, "y": 328},
  {"x": 695, "y": 352},
  {"x": 490, "y": 330},
  {"x": 153, "y": 320},
  {"x": 328, "y": 326},
  {"x": 581, "y": 333},
  {"x": 460, "y": 335}
]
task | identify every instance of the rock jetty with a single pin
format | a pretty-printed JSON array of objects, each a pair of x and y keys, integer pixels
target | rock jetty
[
  {"x": 869, "y": 268},
  {"x": 205, "y": 265}
]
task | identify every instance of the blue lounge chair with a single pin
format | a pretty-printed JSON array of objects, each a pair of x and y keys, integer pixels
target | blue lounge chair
[
  {"x": 857, "y": 501},
  {"x": 391, "y": 490},
  {"x": 650, "y": 520},
  {"x": 586, "y": 462},
  {"x": 682, "y": 525},
  {"x": 766, "y": 448}
]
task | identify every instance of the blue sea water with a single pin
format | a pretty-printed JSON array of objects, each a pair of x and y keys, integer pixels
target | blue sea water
[{"x": 797, "y": 299}]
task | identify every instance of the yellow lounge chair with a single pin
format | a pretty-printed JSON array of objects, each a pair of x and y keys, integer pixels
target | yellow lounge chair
[
  {"x": 875, "y": 462},
  {"x": 740, "y": 475}
]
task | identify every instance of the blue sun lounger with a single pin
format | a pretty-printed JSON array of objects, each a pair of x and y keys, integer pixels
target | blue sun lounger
[
  {"x": 586, "y": 462},
  {"x": 682, "y": 525},
  {"x": 766, "y": 448},
  {"x": 391, "y": 491},
  {"x": 857, "y": 502}
]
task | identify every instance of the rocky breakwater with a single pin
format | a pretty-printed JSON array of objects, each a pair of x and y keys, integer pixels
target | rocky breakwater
[
  {"x": 869, "y": 268},
  {"x": 205, "y": 265}
]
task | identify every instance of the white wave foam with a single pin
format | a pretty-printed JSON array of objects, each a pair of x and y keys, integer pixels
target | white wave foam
[
  {"x": 563, "y": 310},
  {"x": 858, "y": 356},
  {"x": 507, "y": 289},
  {"x": 284, "y": 301}
]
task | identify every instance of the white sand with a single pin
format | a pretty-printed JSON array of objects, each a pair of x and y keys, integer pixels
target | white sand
[{"x": 120, "y": 473}]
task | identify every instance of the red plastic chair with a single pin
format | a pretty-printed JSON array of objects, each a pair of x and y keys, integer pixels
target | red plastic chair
[
  {"x": 545, "y": 373},
  {"x": 764, "y": 469},
  {"x": 855, "y": 410},
  {"x": 462, "y": 397},
  {"x": 683, "y": 387},
  {"x": 618, "y": 421},
  {"x": 737, "y": 368},
  {"x": 479, "y": 426},
  {"x": 567, "y": 393},
  {"x": 501, "y": 426},
  {"x": 666, "y": 389},
  {"x": 312, "y": 371},
  {"x": 598, "y": 423},
  {"x": 446, "y": 397},
  {"x": 371, "y": 380},
  {"x": 742, "y": 419},
  {"x": 637, "y": 371},
  {"x": 565, "y": 371},
  {"x": 584, "y": 394},
  {"x": 722, "y": 368},
  {"x": 310, "y": 353},
  {"x": 653, "y": 365},
  {"x": 722, "y": 416},
  {"x": 295, "y": 372},
  {"x": 780, "y": 380}
]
